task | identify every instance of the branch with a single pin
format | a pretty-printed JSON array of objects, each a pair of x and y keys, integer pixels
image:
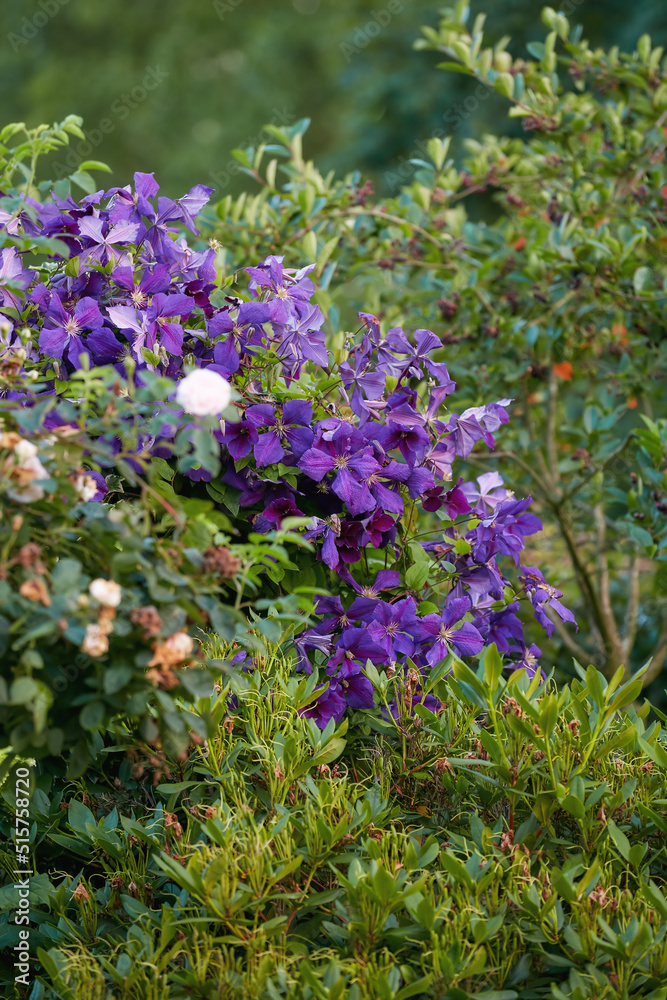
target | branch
[
  {"x": 603, "y": 577},
  {"x": 583, "y": 576},
  {"x": 632, "y": 610},
  {"x": 551, "y": 426}
]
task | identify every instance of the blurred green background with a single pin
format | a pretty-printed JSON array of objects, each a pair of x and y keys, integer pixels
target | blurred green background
[{"x": 174, "y": 85}]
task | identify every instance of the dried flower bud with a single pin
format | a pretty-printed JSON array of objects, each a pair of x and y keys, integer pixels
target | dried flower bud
[
  {"x": 35, "y": 590},
  {"x": 221, "y": 561},
  {"x": 173, "y": 650},
  {"x": 30, "y": 558},
  {"x": 80, "y": 893},
  {"x": 147, "y": 619}
]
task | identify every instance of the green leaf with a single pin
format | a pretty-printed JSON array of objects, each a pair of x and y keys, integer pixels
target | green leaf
[
  {"x": 95, "y": 165},
  {"x": 79, "y": 816},
  {"x": 642, "y": 279},
  {"x": 333, "y": 749},
  {"x": 92, "y": 715},
  {"x": 619, "y": 839},
  {"x": 492, "y": 665},
  {"x": 417, "y": 575}
]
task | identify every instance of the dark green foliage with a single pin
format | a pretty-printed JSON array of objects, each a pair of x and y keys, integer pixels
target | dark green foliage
[
  {"x": 231, "y": 66},
  {"x": 511, "y": 841}
]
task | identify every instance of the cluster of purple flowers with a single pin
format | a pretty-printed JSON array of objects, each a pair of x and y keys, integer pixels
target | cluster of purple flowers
[{"x": 358, "y": 447}]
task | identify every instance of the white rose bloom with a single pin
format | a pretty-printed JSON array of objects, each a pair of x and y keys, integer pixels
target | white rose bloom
[
  {"x": 31, "y": 491},
  {"x": 203, "y": 393},
  {"x": 107, "y": 592}
]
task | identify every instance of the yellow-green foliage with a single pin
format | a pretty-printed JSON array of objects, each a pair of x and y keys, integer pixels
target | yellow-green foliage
[{"x": 508, "y": 845}]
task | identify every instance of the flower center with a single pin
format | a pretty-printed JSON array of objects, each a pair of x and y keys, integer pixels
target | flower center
[
  {"x": 340, "y": 462},
  {"x": 71, "y": 325}
]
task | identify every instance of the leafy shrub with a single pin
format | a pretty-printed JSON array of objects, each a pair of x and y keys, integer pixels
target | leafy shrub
[
  {"x": 509, "y": 841},
  {"x": 103, "y": 605}
]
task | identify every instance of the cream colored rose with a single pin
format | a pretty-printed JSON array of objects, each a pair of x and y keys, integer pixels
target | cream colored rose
[
  {"x": 203, "y": 393},
  {"x": 107, "y": 592},
  {"x": 25, "y": 473},
  {"x": 95, "y": 642}
]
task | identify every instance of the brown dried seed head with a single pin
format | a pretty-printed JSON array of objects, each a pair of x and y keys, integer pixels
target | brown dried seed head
[
  {"x": 221, "y": 561},
  {"x": 147, "y": 619}
]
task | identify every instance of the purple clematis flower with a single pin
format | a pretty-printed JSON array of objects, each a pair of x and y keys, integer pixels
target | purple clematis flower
[
  {"x": 355, "y": 644},
  {"x": 63, "y": 337},
  {"x": 104, "y": 247},
  {"x": 292, "y": 426},
  {"x": 395, "y": 627},
  {"x": 541, "y": 595},
  {"x": 240, "y": 439},
  {"x": 342, "y": 540},
  {"x": 159, "y": 319},
  {"x": 489, "y": 492},
  {"x": 355, "y": 687},
  {"x": 13, "y": 273},
  {"x": 466, "y": 639},
  {"x": 530, "y": 662},
  {"x": 338, "y": 450},
  {"x": 330, "y": 705},
  {"x": 386, "y": 579}
]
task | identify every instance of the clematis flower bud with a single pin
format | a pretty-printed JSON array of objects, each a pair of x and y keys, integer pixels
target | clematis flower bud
[
  {"x": 203, "y": 393},
  {"x": 107, "y": 592}
]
